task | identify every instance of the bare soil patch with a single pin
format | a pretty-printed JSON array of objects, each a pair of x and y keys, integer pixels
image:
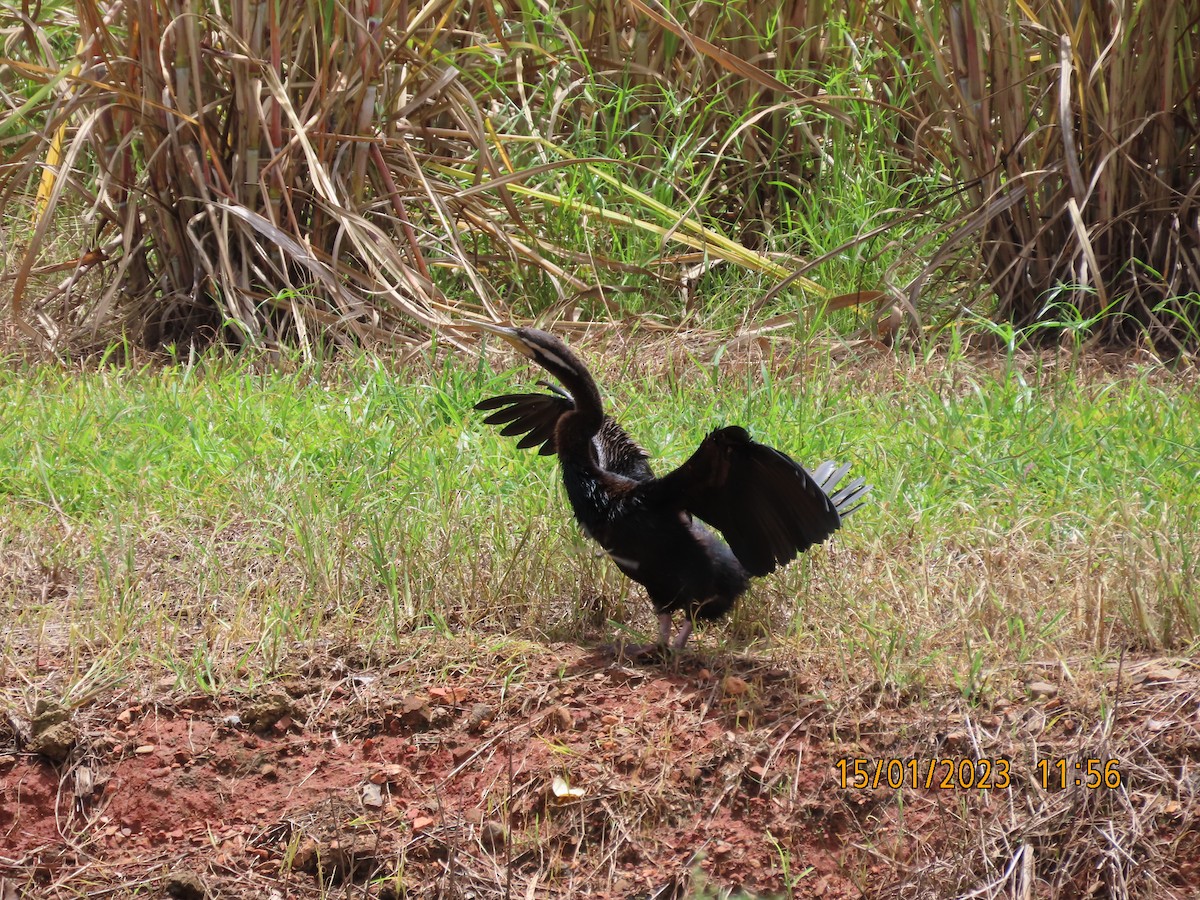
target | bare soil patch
[{"x": 559, "y": 771}]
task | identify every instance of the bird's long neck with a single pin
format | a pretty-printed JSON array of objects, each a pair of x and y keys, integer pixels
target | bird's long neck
[{"x": 577, "y": 428}]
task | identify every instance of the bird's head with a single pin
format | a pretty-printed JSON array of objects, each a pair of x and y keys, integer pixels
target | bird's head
[{"x": 542, "y": 347}]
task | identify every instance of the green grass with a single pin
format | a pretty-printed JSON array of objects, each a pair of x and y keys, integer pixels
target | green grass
[
  {"x": 220, "y": 522},
  {"x": 710, "y": 157}
]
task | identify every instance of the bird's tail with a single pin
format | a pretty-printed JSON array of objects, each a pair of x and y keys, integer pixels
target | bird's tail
[{"x": 847, "y": 498}]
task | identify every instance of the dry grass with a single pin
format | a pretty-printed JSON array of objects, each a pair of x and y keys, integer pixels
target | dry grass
[
  {"x": 405, "y": 170},
  {"x": 186, "y": 541},
  {"x": 1071, "y": 128},
  {"x": 249, "y": 175},
  {"x": 723, "y": 771},
  {"x": 347, "y": 174}
]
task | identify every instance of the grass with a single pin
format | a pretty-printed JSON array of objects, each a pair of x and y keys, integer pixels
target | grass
[
  {"x": 220, "y": 520},
  {"x": 218, "y": 524},
  {"x": 564, "y": 194},
  {"x": 181, "y": 543}
]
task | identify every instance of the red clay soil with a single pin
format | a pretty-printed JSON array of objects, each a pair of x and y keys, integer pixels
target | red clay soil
[{"x": 579, "y": 776}]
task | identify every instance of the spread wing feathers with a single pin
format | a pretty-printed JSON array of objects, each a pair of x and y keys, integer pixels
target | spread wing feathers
[
  {"x": 532, "y": 415},
  {"x": 765, "y": 504},
  {"x": 535, "y": 416},
  {"x": 850, "y": 496}
]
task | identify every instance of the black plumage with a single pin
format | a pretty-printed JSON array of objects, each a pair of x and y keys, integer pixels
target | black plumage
[{"x": 766, "y": 506}]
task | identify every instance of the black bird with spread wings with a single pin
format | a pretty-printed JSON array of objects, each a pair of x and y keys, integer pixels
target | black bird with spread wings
[{"x": 766, "y": 506}]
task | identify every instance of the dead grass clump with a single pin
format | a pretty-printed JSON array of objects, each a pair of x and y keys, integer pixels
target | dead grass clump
[
  {"x": 1107, "y": 839},
  {"x": 335, "y": 173},
  {"x": 1073, "y": 128},
  {"x": 258, "y": 173}
]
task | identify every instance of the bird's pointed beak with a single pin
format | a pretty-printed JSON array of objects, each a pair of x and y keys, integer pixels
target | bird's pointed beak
[{"x": 509, "y": 334}]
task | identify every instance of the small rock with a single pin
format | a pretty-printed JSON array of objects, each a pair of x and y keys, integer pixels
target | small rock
[
  {"x": 307, "y": 856},
  {"x": 481, "y": 716},
  {"x": 55, "y": 742},
  {"x": 46, "y": 714},
  {"x": 414, "y": 713},
  {"x": 557, "y": 719},
  {"x": 1158, "y": 676},
  {"x": 448, "y": 695},
  {"x": 1041, "y": 690},
  {"x": 957, "y": 740},
  {"x": 337, "y": 860},
  {"x": 262, "y": 714},
  {"x": 387, "y": 774},
  {"x": 184, "y": 885},
  {"x": 372, "y": 795},
  {"x": 732, "y": 686},
  {"x": 296, "y": 687},
  {"x": 493, "y": 836}
]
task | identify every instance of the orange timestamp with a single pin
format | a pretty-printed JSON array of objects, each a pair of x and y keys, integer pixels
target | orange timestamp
[
  {"x": 1091, "y": 773},
  {"x": 936, "y": 773}
]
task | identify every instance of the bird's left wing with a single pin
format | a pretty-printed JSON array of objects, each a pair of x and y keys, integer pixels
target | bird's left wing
[
  {"x": 764, "y": 503},
  {"x": 532, "y": 415}
]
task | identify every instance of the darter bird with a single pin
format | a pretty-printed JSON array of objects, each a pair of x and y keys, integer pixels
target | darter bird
[{"x": 766, "y": 506}]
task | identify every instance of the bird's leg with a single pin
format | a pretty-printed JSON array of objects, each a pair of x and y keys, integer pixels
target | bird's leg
[
  {"x": 685, "y": 631},
  {"x": 664, "y": 630},
  {"x": 655, "y": 650},
  {"x": 666, "y": 645}
]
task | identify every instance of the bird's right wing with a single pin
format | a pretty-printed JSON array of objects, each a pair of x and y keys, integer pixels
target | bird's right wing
[
  {"x": 765, "y": 504},
  {"x": 532, "y": 415}
]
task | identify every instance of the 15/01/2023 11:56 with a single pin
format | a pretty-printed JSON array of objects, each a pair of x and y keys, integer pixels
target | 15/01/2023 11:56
[{"x": 948, "y": 773}]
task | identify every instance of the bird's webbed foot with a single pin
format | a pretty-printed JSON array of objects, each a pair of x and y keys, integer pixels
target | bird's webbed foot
[
  {"x": 665, "y": 647},
  {"x": 643, "y": 653}
]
